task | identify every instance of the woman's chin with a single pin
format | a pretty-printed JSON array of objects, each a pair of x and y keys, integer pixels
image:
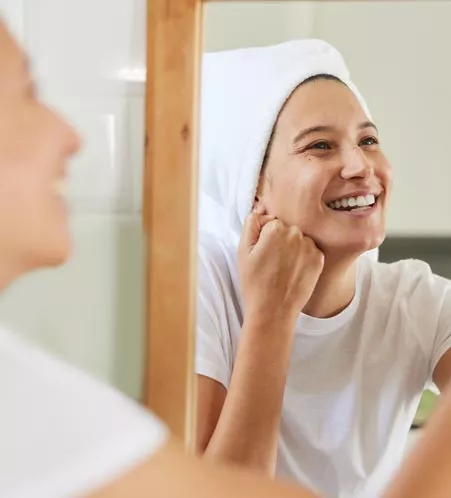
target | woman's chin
[
  {"x": 50, "y": 255},
  {"x": 350, "y": 248},
  {"x": 60, "y": 255}
]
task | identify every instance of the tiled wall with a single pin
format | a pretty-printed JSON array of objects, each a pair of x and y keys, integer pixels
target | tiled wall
[{"x": 89, "y": 60}]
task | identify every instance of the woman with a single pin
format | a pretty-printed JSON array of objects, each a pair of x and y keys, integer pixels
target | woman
[
  {"x": 63, "y": 434},
  {"x": 311, "y": 358}
]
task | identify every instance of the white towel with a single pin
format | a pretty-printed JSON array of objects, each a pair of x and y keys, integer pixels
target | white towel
[{"x": 242, "y": 93}]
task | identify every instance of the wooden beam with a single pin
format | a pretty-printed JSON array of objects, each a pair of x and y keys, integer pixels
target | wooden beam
[{"x": 170, "y": 207}]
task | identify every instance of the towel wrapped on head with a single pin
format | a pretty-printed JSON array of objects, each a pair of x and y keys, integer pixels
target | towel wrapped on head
[{"x": 242, "y": 94}]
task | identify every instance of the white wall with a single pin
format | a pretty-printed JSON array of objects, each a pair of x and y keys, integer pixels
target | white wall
[
  {"x": 89, "y": 61},
  {"x": 399, "y": 58},
  {"x": 229, "y": 25}
]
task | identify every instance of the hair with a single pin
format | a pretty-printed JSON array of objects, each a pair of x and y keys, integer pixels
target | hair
[{"x": 316, "y": 77}]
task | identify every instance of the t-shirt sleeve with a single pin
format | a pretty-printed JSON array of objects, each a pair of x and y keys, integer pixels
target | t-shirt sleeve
[
  {"x": 213, "y": 345},
  {"x": 442, "y": 340},
  {"x": 62, "y": 432}
]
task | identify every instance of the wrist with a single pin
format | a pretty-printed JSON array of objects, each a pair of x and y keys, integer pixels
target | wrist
[{"x": 281, "y": 319}]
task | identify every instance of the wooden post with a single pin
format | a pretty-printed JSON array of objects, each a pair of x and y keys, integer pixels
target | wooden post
[{"x": 170, "y": 208}]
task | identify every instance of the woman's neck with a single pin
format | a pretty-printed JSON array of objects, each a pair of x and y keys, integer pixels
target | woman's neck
[{"x": 334, "y": 291}]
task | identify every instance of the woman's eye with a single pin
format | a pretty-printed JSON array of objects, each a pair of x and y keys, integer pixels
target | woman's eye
[
  {"x": 369, "y": 141},
  {"x": 320, "y": 146}
]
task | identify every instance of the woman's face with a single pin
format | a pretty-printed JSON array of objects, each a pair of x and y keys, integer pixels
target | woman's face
[
  {"x": 34, "y": 146},
  {"x": 326, "y": 173}
]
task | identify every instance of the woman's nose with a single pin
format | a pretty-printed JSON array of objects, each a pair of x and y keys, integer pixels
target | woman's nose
[{"x": 356, "y": 164}]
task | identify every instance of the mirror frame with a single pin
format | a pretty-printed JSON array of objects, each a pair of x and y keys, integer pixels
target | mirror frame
[{"x": 174, "y": 48}]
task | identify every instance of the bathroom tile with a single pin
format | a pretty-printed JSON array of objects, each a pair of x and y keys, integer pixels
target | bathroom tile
[
  {"x": 102, "y": 175},
  {"x": 90, "y": 311},
  {"x": 86, "y": 39}
]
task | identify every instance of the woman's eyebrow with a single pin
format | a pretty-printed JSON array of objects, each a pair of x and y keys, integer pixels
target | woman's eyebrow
[
  {"x": 327, "y": 129},
  {"x": 309, "y": 131},
  {"x": 368, "y": 124}
]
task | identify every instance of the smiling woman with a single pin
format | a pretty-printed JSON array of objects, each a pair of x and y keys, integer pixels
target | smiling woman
[
  {"x": 335, "y": 136},
  {"x": 34, "y": 213}
]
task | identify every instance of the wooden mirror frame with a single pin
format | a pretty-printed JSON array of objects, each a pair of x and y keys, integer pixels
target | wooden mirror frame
[{"x": 174, "y": 48}]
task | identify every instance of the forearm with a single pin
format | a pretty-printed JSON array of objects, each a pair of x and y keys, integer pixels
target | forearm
[{"x": 248, "y": 427}]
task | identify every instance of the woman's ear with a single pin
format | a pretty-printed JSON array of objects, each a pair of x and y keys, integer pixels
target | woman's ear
[{"x": 258, "y": 206}]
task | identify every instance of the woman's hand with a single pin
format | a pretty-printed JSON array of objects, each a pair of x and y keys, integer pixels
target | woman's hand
[{"x": 279, "y": 267}]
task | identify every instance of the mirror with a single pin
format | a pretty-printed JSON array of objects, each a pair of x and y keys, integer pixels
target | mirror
[
  {"x": 347, "y": 381},
  {"x": 91, "y": 312}
]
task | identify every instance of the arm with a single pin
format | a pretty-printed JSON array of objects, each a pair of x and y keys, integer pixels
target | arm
[
  {"x": 442, "y": 372},
  {"x": 425, "y": 472},
  {"x": 441, "y": 348},
  {"x": 173, "y": 474},
  {"x": 279, "y": 269},
  {"x": 247, "y": 429},
  {"x": 210, "y": 400}
]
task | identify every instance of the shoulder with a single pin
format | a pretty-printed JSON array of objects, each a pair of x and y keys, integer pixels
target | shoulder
[
  {"x": 74, "y": 430},
  {"x": 407, "y": 274},
  {"x": 410, "y": 283},
  {"x": 213, "y": 250},
  {"x": 217, "y": 264}
]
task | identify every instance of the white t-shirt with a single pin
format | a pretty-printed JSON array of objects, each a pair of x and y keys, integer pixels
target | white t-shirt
[
  {"x": 354, "y": 381},
  {"x": 63, "y": 434}
]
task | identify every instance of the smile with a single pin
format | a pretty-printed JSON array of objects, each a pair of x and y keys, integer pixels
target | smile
[{"x": 354, "y": 204}]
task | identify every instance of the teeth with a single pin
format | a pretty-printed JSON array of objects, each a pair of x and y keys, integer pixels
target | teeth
[
  {"x": 353, "y": 202},
  {"x": 361, "y": 201}
]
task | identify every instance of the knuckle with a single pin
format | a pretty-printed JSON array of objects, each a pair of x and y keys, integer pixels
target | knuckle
[
  {"x": 275, "y": 226},
  {"x": 294, "y": 233}
]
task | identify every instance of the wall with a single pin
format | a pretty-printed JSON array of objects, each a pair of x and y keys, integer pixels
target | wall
[
  {"x": 89, "y": 62},
  {"x": 229, "y": 25}
]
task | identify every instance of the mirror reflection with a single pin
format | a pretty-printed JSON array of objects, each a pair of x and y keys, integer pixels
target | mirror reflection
[{"x": 323, "y": 320}]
